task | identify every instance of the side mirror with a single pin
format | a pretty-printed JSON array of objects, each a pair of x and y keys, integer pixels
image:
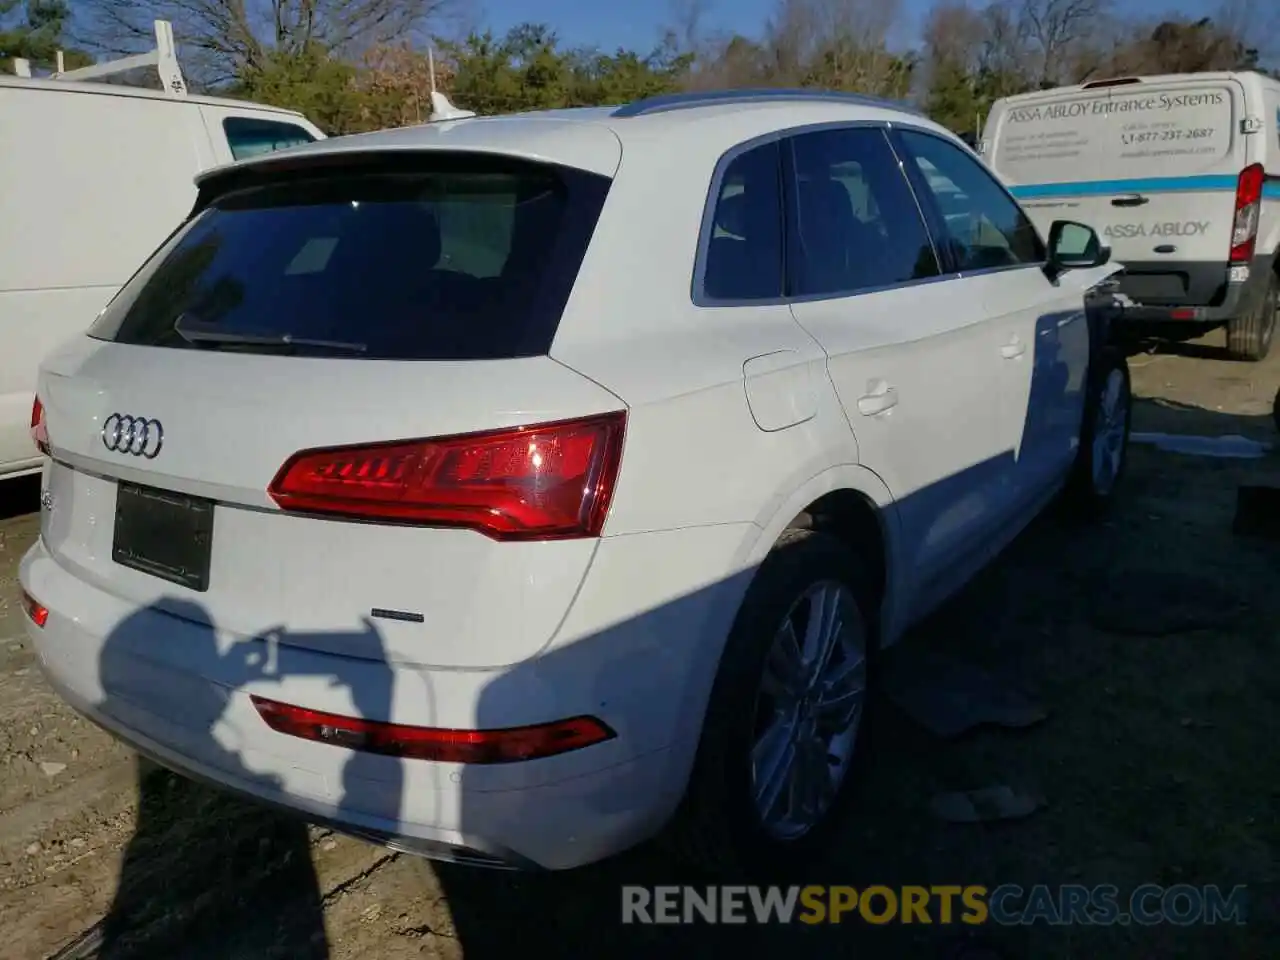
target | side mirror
[{"x": 1074, "y": 246}]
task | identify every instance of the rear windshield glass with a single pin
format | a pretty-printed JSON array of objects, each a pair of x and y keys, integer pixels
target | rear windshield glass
[
  {"x": 461, "y": 257},
  {"x": 1117, "y": 133}
]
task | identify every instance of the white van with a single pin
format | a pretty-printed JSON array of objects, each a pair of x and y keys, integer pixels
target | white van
[
  {"x": 1180, "y": 174},
  {"x": 93, "y": 177}
]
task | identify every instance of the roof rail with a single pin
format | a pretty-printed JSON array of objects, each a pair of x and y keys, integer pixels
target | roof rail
[
  {"x": 164, "y": 58},
  {"x": 682, "y": 101}
]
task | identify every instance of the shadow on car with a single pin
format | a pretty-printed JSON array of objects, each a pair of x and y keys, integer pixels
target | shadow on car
[
  {"x": 1056, "y": 582},
  {"x": 201, "y": 865}
]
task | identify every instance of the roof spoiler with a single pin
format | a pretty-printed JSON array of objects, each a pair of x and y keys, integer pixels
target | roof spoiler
[{"x": 164, "y": 58}]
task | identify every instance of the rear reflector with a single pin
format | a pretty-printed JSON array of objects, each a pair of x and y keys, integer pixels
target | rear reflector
[
  {"x": 507, "y": 745},
  {"x": 545, "y": 482},
  {"x": 39, "y": 429},
  {"x": 1244, "y": 231},
  {"x": 36, "y": 612}
]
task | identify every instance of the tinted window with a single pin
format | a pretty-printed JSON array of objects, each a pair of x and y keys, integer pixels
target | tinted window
[
  {"x": 249, "y": 137},
  {"x": 985, "y": 227},
  {"x": 854, "y": 224},
  {"x": 744, "y": 251},
  {"x": 472, "y": 258}
]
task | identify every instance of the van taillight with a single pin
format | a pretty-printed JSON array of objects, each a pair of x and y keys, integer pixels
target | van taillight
[
  {"x": 551, "y": 481},
  {"x": 1244, "y": 231},
  {"x": 39, "y": 429}
]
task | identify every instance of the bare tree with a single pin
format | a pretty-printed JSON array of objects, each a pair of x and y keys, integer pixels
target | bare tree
[
  {"x": 1004, "y": 51},
  {"x": 229, "y": 37},
  {"x": 687, "y": 25},
  {"x": 836, "y": 43},
  {"x": 1255, "y": 23},
  {"x": 685, "y": 33},
  {"x": 1054, "y": 31},
  {"x": 395, "y": 83},
  {"x": 956, "y": 37}
]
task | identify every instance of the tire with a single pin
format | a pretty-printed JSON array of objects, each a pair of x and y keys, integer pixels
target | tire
[
  {"x": 718, "y": 828},
  {"x": 1099, "y": 468},
  {"x": 1249, "y": 337}
]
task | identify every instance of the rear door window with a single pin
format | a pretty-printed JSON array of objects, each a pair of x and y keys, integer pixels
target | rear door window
[
  {"x": 853, "y": 223},
  {"x": 252, "y": 137},
  {"x": 452, "y": 257}
]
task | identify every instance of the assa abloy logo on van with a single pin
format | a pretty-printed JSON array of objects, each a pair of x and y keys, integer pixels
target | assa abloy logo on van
[
  {"x": 1161, "y": 103},
  {"x": 1185, "y": 228}
]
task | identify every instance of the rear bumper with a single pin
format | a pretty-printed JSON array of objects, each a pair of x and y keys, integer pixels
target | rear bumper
[
  {"x": 179, "y": 692},
  {"x": 1238, "y": 295},
  {"x": 434, "y": 843}
]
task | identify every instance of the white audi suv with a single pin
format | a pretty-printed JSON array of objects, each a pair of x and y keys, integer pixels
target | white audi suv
[{"x": 512, "y": 490}]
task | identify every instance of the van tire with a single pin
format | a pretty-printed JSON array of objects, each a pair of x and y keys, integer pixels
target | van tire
[
  {"x": 716, "y": 829},
  {"x": 1249, "y": 337}
]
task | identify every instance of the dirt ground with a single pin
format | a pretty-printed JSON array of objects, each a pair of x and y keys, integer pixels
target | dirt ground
[{"x": 1152, "y": 641}]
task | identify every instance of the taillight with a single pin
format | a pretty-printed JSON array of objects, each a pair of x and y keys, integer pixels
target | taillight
[
  {"x": 544, "y": 482},
  {"x": 507, "y": 745},
  {"x": 37, "y": 612},
  {"x": 39, "y": 429},
  {"x": 1244, "y": 231}
]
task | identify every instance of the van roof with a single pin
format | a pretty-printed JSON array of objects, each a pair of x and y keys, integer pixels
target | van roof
[
  {"x": 1134, "y": 81},
  {"x": 120, "y": 90}
]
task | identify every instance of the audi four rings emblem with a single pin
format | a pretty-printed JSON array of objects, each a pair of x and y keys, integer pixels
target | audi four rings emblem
[{"x": 133, "y": 435}]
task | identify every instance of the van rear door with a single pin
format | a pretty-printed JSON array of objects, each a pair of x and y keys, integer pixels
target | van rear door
[{"x": 1152, "y": 165}]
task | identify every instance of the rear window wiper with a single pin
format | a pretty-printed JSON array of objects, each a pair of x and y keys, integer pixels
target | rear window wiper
[{"x": 200, "y": 333}]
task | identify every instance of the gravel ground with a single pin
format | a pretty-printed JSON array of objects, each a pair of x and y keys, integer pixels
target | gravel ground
[{"x": 1151, "y": 641}]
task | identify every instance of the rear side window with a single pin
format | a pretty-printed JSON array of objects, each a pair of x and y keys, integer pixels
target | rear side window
[
  {"x": 251, "y": 137},
  {"x": 986, "y": 229},
  {"x": 455, "y": 257},
  {"x": 854, "y": 224},
  {"x": 743, "y": 259}
]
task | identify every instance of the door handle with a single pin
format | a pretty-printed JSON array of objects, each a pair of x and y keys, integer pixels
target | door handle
[
  {"x": 1132, "y": 200},
  {"x": 1013, "y": 349},
  {"x": 881, "y": 399}
]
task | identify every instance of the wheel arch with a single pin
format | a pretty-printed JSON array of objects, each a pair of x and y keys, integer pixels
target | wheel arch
[{"x": 851, "y": 502}]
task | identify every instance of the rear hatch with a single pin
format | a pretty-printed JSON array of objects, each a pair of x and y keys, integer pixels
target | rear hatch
[
  {"x": 352, "y": 307},
  {"x": 1152, "y": 165}
]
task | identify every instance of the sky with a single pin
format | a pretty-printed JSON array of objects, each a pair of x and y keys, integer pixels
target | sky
[
  {"x": 637, "y": 24},
  {"x": 634, "y": 24}
]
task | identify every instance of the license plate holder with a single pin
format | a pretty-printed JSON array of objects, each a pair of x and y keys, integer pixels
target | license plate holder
[{"x": 165, "y": 534}]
